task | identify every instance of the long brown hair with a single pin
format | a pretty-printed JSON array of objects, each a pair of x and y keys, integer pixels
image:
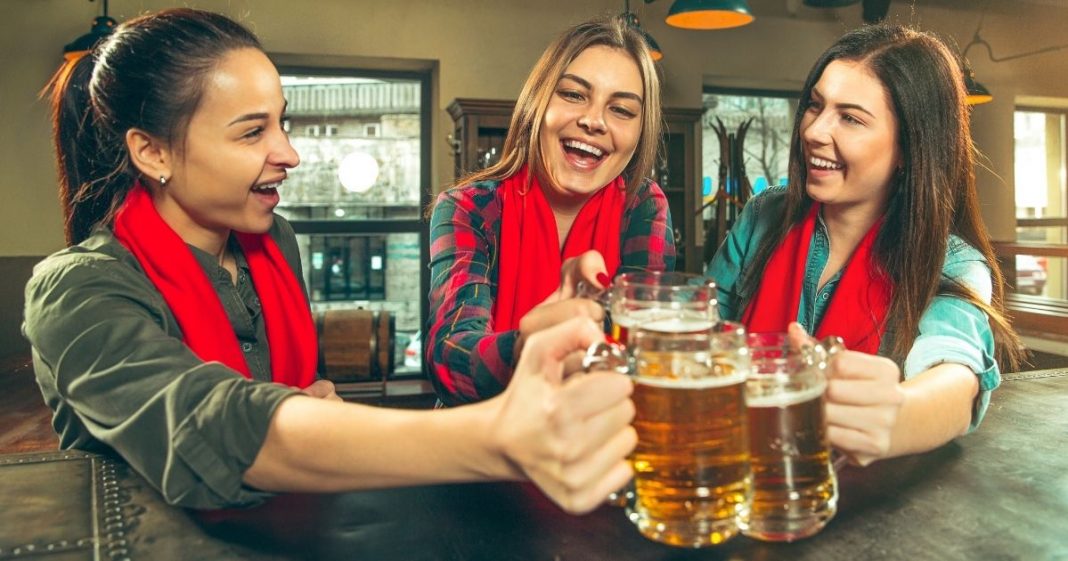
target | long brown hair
[
  {"x": 932, "y": 197},
  {"x": 521, "y": 145},
  {"x": 149, "y": 74}
]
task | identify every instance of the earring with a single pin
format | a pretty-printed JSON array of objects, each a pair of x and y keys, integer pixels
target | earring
[{"x": 162, "y": 180}]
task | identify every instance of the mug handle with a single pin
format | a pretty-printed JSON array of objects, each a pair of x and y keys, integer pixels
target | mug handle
[{"x": 604, "y": 355}]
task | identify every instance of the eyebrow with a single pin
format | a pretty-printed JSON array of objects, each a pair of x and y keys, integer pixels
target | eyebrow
[
  {"x": 256, "y": 116},
  {"x": 589, "y": 86},
  {"x": 817, "y": 93}
]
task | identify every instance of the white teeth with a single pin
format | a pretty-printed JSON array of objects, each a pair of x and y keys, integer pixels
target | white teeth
[
  {"x": 267, "y": 186},
  {"x": 584, "y": 147},
  {"x": 824, "y": 164}
]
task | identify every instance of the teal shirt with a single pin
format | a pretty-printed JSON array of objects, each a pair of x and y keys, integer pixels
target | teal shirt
[{"x": 950, "y": 330}]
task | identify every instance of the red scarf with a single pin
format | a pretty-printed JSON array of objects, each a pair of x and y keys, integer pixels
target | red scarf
[
  {"x": 175, "y": 272},
  {"x": 530, "y": 256},
  {"x": 857, "y": 313}
]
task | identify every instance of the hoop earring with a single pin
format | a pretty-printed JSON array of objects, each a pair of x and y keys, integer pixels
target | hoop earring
[{"x": 162, "y": 180}]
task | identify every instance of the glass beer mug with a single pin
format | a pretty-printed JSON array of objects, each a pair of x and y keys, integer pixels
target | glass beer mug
[
  {"x": 795, "y": 491},
  {"x": 692, "y": 478},
  {"x": 637, "y": 298}
]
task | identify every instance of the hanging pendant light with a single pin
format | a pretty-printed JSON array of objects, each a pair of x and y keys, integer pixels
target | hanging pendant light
[
  {"x": 709, "y": 14},
  {"x": 101, "y": 28},
  {"x": 977, "y": 93},
  {"x": 632, "y": 21},
  {"x": 654, "y": 47}
]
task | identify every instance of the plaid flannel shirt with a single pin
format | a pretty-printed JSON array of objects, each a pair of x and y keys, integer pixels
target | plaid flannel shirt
[{"x": 469, "y": 360}]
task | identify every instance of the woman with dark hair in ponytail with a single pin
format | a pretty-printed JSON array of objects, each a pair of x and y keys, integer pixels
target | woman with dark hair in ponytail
[
  {"x": 878, "y": 239},
  {"x": 175, "y": 329}
]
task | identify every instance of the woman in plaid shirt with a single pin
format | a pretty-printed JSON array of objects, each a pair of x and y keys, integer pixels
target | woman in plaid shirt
[{"x": 569, "y": 201}]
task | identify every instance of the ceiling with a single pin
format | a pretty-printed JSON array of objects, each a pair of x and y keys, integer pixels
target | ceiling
[{"x": 797, "y": 9}]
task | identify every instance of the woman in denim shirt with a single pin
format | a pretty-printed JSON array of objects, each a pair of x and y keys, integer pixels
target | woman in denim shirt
[{"x": 878, "y": 239}]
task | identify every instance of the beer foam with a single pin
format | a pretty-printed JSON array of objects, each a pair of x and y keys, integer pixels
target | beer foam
[
  {"x": 690, "y": 383},
  {"x": 786, "y": 399},
  {"x": 677, "y": 325},
  {"x": 696, "y": 320},
  {"x": 634, "y": 318}
]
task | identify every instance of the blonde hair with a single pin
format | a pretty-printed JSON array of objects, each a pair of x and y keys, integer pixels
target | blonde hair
[{"x": 521, "y": 146}]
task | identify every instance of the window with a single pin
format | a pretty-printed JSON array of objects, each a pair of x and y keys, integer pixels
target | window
[
  {"x": 1041, "y": 152},
  {"x": 356, "y": 199},
  {"x": 766, "y": 150}
]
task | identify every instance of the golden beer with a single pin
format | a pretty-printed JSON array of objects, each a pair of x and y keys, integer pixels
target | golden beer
[
  {"x": 692, "y": 478},
  {"x": 619, "y": 332},
  {"x": 624, "y": 321},
  {"x": 794, "y": 486}
]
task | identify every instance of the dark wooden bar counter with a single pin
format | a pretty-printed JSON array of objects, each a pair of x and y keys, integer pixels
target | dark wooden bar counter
[{"x": 1001, "y": 493}]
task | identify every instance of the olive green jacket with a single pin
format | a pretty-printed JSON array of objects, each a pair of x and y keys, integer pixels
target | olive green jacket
[{"x": 111, "y": 363}]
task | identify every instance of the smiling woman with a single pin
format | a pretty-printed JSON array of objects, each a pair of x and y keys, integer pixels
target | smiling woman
[
  {"x": 877, "y": 239},
  {"x": 175, "y": 331},
  {"x": 570, "y": 200}
]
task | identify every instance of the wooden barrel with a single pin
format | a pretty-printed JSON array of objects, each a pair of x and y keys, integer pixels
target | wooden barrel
[{"x": 355, "y": 345}]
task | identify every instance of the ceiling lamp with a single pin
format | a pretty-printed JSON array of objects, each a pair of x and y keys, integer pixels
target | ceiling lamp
[
  {"x": 632, "y": 21},
  {"x": 101, "y": 28},
  {"x": 709, "y": 14},
  {"x": 654, "y": 47},
  {"x": 977, "y": 93}
]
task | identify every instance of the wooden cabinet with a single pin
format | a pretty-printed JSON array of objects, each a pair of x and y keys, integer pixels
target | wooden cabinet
[
  {"x": 678, "y": 172},
  {"x": 480, "y": 125},
  {"x": 479, "y": 128}
]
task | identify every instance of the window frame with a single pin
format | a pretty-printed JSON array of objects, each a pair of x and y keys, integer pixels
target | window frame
[
  {"x": 1056, "y": 222},
  {"x": 387, "y": 225}
]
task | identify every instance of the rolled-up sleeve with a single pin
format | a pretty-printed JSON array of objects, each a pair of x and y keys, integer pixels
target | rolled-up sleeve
[
  {"x": 956, "y": 331},
  {"x": 112, "y": 371},
  {"x": 647, "y": 238},
  {"x": 469, "y": 360}
]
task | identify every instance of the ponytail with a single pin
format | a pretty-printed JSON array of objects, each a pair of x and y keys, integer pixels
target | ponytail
[{"x": 90, "y": 186}]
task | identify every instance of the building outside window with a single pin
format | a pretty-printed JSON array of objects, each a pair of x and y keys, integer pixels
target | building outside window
[
  {"x": 1041, "y": 207},
  {"x": 356, "y": 199},
  {"x": 766, "y": 152}
]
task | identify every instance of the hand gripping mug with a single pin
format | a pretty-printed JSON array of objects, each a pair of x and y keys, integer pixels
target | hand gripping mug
[
  {"x": 650, "y": 298},
  {"x": 795, "y": 491},
  {"x": 692, "y": 477}
]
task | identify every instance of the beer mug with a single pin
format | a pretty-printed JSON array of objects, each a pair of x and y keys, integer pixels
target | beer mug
[
  {"x": 646, "y": 297},
  {"x": 641, "y": 297},
  {"x": 692, "y": 479},
  {"x": 795, "y": 490}
]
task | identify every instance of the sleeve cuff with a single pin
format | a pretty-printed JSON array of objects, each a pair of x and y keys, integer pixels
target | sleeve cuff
[
  {"x": 219, "y": 442},
  {"x": 931, "y": 351}
]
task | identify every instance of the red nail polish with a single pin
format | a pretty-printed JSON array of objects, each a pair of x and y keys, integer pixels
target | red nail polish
[{"x": 604, "y": 279}]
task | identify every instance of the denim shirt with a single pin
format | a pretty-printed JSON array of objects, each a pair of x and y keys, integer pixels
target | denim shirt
[{"x": 950, "y": 329}]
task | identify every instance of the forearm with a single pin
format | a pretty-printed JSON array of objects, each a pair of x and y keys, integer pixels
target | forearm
[
  {"x": 937, "y": 408},
  {"x": 322, "y": 446}
]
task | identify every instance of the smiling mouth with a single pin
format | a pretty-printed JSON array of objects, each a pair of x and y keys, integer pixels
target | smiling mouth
[
  {"x": 824, "y": 164},
  {"x": 267, "y": 188},
  {"x": 583, "y": 153}
]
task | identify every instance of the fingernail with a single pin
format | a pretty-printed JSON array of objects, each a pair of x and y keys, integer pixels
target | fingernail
[{"x": 604, "y": 279}]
